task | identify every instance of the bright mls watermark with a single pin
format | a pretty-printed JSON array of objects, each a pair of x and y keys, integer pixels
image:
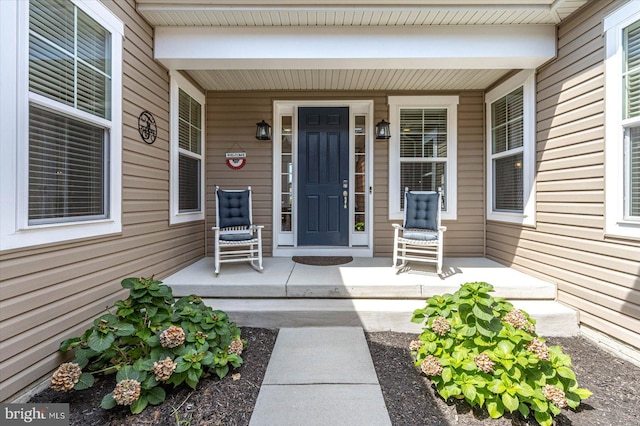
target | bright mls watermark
[{"x": 35, "y": 414}]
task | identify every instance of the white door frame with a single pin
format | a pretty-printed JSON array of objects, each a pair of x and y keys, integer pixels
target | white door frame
[{"x": 285, "y": 243}]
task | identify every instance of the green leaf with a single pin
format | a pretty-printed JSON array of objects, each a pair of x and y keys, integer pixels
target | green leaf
[
  {"x": 124, "y": 329},
  {"x": 524, "y": 390},
  {"x": 222, "y": 371},
  {"x": 566, "y": 373},
  {"x": 469, "y": 391},
  {"x": 482, "y": 312},
  {"x": 84, "y": 382},
  {"x": 446, "y": 375},
  {"x": 108, "y": 402},
  {"x": 495, "y": 409},
  {"x": 524, "y": 410},
  {"x": 497, "y": 386},
  {"x": 156, "y": 395},
  {"x": 511, "y": 403},
  {"x": 139, "y": 405},
  {"x": 582, "y": 393},
  {"x": 100, "y": 342},
  {"x": 128, "y": 372},
  {"x": 129, "y": 283},
  {"x": 543, "y": 418},
  {"x": 66, "y": 344}
]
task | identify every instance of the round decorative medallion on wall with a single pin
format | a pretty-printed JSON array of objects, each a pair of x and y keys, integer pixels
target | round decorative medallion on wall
[{"x": 147, "y": 127}]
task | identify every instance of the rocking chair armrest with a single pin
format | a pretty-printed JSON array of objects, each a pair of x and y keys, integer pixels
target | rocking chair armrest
[{"x": 442, "y": 228}]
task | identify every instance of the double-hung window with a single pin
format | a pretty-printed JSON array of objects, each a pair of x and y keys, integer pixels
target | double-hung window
[
  {"x": 622, "y": 101},
  {"x": 511, "y": 150},
  {"x": 187, "y": 148},
  {"x": 422, "y": 150},
  {"x": 68, "y": 121}
]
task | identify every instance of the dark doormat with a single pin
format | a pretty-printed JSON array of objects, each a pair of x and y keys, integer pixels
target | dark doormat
[{"x": 322, "y": 260}]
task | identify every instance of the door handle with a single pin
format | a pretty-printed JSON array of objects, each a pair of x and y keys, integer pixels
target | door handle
[{"x": 345, "y": 193}]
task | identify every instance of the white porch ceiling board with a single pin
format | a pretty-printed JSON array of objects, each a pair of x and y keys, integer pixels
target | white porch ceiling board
[
  {"x": 353, "y": 18},
  {"x": 416, "y": 79},
  {"x": 240, "y": 13}
]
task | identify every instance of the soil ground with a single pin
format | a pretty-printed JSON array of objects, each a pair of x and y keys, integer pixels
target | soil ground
[{"x": 409, "y": 396}]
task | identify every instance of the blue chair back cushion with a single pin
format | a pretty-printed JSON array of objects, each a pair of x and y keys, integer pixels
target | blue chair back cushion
[
  {"x": 421, "y": 210},
  {"x": 233, "y": 208}
]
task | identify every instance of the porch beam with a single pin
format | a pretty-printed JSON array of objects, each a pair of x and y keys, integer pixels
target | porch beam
[{"x": 434, "y": 47}]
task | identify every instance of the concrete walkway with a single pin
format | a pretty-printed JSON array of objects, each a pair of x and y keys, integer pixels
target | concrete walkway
[{"x": 320, "y": 376}]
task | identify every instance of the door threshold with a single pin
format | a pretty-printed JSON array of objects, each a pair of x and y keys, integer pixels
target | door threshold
[{"x": 322, "y": 251}]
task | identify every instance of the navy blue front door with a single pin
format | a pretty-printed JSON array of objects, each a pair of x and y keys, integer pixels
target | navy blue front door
[{"x": 323, "y": 176}]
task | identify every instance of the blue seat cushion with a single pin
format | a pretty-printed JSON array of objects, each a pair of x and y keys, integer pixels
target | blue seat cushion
[
  {"x": 233, "y": 208},
  {"x": 420, "y": 236},
  {"x": 236, "y": 237},
  {"x": 421, "y": 210}
]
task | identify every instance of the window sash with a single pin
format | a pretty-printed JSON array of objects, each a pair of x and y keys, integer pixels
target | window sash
[
  {"x": 507, "y": 152},
  {"x": 423, "y": 150},
  {"x": 69, "y": 115},
  {"x": 189, "y": 153}
]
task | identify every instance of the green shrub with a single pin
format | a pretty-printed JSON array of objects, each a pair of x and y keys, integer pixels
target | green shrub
[
  {"x": 479, "y": 348},
  {"x": 151, "y": 341}
]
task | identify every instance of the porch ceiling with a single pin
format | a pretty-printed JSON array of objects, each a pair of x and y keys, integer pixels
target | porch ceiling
[{"x": 353, "y": 44}]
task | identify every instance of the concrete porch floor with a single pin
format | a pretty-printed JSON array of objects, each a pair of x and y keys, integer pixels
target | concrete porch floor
[{"x": 366, "y": 292}]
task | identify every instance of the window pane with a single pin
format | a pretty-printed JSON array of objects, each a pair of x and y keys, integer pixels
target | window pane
[
  {"x": 93, "y": 92},
  {"x": 189, "y": 123},
  {"x": 67, "y": 172},
  {"x": 189, "y": 178},
  {"x": 634, "y": 172},
  {"x": 507, "y": 122},
  {"x": 508, "y": 183},
  {"x": 53, "y": 20},
  {"x": 94, "y": 44},
  {"x": 422, "y": 177},
  {"x": 50, "y": 72},
  {"x": 632, "y": 71},
  {"x": 423, "y": 133}
]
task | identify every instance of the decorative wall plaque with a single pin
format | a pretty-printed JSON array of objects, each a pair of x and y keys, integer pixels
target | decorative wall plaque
[{"x": 147, "y": 127}]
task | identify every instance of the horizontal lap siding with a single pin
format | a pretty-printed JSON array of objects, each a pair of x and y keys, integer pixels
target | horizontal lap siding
[
  {"x": 50, "y": 293},
  {"x": 231, "y": 118},
  {"x": 595, "y": 274}
]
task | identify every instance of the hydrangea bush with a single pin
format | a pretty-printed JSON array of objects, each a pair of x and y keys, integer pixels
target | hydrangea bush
[
  {"x": 479, "y": 348},
  {"x": 151, "y": 341}
]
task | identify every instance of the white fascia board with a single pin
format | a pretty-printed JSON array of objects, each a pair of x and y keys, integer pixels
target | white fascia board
[{"x": 436, "y": 47}]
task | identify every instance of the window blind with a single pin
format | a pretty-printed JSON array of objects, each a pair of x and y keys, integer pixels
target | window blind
[
  {"x": 633, "y": 164},
  {"x": 189, "y": 183},
  {"x": 507, "y": 178},
  {"x": 67, "y": 172}
]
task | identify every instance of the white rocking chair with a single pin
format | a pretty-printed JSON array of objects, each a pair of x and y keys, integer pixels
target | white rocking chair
[
  {"x": 237, "y": 239},
  {"x": 420, "y": 237}
]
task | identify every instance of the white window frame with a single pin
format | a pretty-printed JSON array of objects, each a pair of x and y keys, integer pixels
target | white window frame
[
  {"x": 526, "y": 80},
  {"x": 15, "y": 231},
  {"x": 615, "y": 222},
  {"x": 178, "y": 81},
  {"x": 450, "y": 103}
]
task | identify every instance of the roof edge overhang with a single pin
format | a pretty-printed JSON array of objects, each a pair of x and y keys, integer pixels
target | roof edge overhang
[{"x": 435, "y": 47}]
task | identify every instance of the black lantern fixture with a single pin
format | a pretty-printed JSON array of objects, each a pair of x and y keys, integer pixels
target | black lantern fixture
[
  {"x": 263, "y": 131},
  {"x": 382, "y": 130}
]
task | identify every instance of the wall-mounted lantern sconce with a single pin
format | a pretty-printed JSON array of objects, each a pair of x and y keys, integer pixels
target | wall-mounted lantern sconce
[
  {"x": 382, "y": 130},
  {"x": 263, "y": 131}
]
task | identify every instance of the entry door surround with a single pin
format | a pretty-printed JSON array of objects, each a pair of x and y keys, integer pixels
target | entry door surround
[{"x": 286, "y": 177}]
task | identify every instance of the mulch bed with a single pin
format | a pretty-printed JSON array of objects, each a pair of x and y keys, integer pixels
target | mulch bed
[{"x": 409, "y": 396}]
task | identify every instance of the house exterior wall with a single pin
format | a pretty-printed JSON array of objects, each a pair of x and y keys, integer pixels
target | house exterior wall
[
  {"x": 231, "y": 118},
  {"x": 53, "y": 292},
  {"x": 598, "y": 275}
]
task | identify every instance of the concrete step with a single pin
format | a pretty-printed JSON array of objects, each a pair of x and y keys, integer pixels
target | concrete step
[{"x": 553, "y": 318}]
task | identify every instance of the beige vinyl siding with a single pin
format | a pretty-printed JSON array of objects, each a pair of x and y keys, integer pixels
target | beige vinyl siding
[
  {"x": 53, "y": 292},
  {"x": 232, "y": 118},
  {"x": 598, "y": 275}
]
